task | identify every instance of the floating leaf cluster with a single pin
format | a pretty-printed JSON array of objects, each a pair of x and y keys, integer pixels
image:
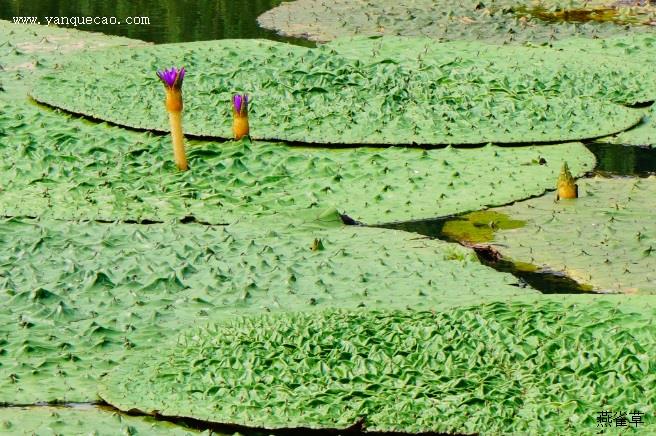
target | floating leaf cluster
[
  {"x": 84, "y": 420},
  {"x": 60, "y": 167},
  {"x": 81, "y": 297},
  {"x": 459, "y": 93},
  {"x": 541, "y": 367},
  {"x": 570, "y": 68},
  {"x": 638, "y": 48},
  {"x": 501, "y": 21}
]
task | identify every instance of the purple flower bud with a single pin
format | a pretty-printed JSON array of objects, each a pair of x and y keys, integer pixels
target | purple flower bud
[
  {"x": 172, "y": 78},
  {"x": 240, "y": 104}
]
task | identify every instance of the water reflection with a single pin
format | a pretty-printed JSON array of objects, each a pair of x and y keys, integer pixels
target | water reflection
[
  {"x": 473, "y": 229},
  {"x": 170, "y": 20},
  {"x": 621, "y": 160}
]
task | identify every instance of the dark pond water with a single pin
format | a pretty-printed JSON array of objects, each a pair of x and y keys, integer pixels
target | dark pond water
[
  {"x": 620, "y": 160},
  {"x": 170, "y": 20},
  {"x": 544, "y": 280}
]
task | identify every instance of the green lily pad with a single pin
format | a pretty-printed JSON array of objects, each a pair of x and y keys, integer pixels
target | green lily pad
[
  {"x": 571, "y": 68},
  {"x": 503, "y": 21},
  {"x": 542, "y": 367},
  {"x": 318, "y": 96},
  {"x": 640, "y": 48},
  {"x": 644, "y": 134},
  {"x": 59, "y": 167},
  {"x": 604, "y": 238},
  {"x": 78, "y": 298},
  {"x": 28, "y": 50},
  {"x": 87, "y": 420}
]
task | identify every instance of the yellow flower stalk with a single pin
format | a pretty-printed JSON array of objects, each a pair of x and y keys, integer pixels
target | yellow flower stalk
[
  {"x": 172, "y": 80},
  {"x": 240, "y": 116},
  {"x": 567, "y": 187}
]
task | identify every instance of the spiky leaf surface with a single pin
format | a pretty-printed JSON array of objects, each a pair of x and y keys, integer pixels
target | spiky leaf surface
[
  {"x": 541, "y": 367},
  {"x": 572, "y": 67},
  {"x": 28, "y": 50},
  {"x": 80, "y": 297},
  {"x": 605, "y": 237},
  {"x": 83, "y": 420},
  {"x": 64, "y": 168},
  {"x": 463, "y": 94},
  {"x": 640, "y": 48},
  {"x": 503, "y": 21},
  {"x": 644, "y": 134}
]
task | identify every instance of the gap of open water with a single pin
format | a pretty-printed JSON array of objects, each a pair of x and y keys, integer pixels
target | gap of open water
[{"x": 169, "y": 20}]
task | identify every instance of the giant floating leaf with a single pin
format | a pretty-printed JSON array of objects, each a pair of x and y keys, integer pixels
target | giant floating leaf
[
  {"x": 605, "y": 238},
  {"x": 538, "y": 368},
  {"x": 83, "y": 420},
  {"x": 640, "y": 48},
  {"x": 572, "y": 68},
  {"x": 644, "y": 134},
  {"x": 500, "y": 20},
  {"x": 80, "y": 297},
  {"x": 57, "y": 166},
  {"x": 318, "y": 96},
  {"x": 29, "y": 49}
]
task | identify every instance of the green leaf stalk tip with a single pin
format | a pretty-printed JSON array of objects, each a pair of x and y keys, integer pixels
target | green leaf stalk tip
[
  {"x": 567, "y": 187},
  {"x": 317, "y": 245}
]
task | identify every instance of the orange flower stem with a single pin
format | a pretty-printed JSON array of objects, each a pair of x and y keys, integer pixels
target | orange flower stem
[
  {"x": 174, "y": 107},
  {"x": 175, "y": 120},
  {"x": 240, "y": 126}
]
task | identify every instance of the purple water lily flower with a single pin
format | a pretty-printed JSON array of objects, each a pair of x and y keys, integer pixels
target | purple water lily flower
[
  {"x": 240, "y": 104},
  {"x": 172, "y": 78}
]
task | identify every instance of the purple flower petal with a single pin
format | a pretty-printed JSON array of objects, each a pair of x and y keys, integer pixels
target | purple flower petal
[
  {"x": 236, "y": 102},
  {"x": 172, "y": 78}
]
